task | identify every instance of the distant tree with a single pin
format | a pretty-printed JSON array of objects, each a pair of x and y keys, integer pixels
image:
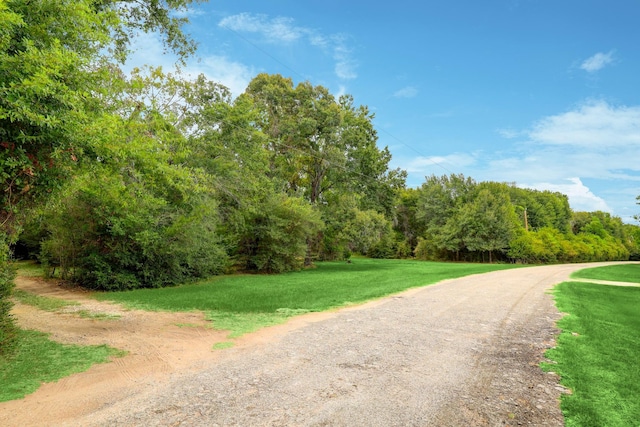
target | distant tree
[
  {"x": 438, "y": 210},
  {"x": 406, "y": 221},
  {"x": 278, "y": 238},
  {"x": 365, "y": 230},
  {"x": 489, "y": 221},
  {"x": 543, "y": 208}
]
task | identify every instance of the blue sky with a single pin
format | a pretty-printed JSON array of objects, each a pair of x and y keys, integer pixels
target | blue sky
[{"x": 545, "y": 94}]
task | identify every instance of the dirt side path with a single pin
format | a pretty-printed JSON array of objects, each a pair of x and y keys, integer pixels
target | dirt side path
[
  {"x": 157, "y": 344},
  {"x": 461, "y": 353}
]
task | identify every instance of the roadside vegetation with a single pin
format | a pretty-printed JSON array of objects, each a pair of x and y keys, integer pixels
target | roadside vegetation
[
  {"x": 117, "y": 181},
  {"x": 244, "y": 303},
  {"x": 597, "y": 352},
  {"x": 36, "y": 359},
  {"x": 617, "y": 273}
]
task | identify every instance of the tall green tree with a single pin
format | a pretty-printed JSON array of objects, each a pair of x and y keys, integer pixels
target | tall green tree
[
  {"x": 489, "y": 222},
  {"x": 406, "y": 221},
  {"x": 51, "y": 67},
  {"x": 321, "y": 148},
  {"x": 319, "y": 144},
  {"x": 438, "y": 208},
  {"x": 140, "y": 217}
]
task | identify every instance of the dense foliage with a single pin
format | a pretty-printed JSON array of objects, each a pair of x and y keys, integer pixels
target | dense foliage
[
  {"x": 460, "y": 219},
  {"x": 7, "y": 327}
]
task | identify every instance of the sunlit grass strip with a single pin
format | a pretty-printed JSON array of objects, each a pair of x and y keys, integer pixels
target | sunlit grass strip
[
  {"x": 29, "y": 269},
  {"x": 597, "y": 354},
  {"x": 43, "y": 303},
  {"x": 243, "y": 304},
  {"x": 331, "y": 284},
  {"x": 86, "y": 314},
  {"x": 38, "y": 359},
  {"x": 617, "y": 273},
  {"x": 222, "y": 345}
]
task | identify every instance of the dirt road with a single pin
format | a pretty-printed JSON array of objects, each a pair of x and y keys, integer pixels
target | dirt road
[{"x": 464, "y": 352}]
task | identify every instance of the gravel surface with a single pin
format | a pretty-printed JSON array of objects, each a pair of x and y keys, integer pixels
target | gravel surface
[{"x": 464, "y": 352}]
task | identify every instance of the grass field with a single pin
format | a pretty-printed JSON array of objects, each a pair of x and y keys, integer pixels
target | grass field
[
  {"x": 245, "y": 303},
  {"x": 598, "y": 352},
  {"x": 618, "y": 273},
  {"x": 38, "y": 359},
  {"x": 43, "y": 303}
]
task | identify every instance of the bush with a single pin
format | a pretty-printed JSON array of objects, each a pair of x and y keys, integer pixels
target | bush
[
  {"x": 124, "y": 237},
  {"x": 8, "y": 329},
  {"x": 276, "y": 239}
]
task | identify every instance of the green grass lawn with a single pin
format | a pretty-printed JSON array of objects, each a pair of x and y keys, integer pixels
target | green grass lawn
[
  {"x": 245, "y": 303},
  {"x": 598, "y": 352},
  {"x": 43, "y": 303},
  {"x": 617, "y": 273},
  {"x": 37, "y": 359},
  {"x": 331, "y": 284},
  {"x": 28, "y": 268}
]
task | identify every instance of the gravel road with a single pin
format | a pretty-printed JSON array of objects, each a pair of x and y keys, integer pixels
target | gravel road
[{"x": 464, "y": 352}]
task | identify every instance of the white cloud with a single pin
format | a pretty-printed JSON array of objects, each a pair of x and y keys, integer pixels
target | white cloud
[
  {"x": 597, "y": 62},
  {"x": 283, "y": 30},
  {"x": 188, "y": 12},
  {"x": 425, "y": 165},
  {"x": 148, "y": 49},
  {"x": 345, "y": 65},
  {"x": 580, "y": 196},
  {"x": 278, "y": 29},
  {"x": 509, "y": 133},
  {"x": 406, "y": 92},
  {"x": 234, "y": 75},
  {"x": 596, "y": 125},
  {"x": 342, "y": 90},
  {"x": 596, "y": 140}
]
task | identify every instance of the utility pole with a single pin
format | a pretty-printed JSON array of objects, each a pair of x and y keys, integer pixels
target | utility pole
[{"x": 526, "y": 220}]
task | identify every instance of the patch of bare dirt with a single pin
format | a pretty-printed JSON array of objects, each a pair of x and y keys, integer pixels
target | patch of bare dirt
[{"x": 157, "y": 343}]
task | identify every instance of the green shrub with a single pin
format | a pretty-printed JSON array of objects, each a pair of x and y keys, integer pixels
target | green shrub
[
  {"x": 8, "y": 329},
  {"x": 276, "y": 239},
  {"x": 124, "y": 237}
]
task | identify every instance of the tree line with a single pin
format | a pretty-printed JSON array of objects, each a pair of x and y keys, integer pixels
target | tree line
[
  {"x": 177, "y": 180},
  {"x": 152, "y": 179}
]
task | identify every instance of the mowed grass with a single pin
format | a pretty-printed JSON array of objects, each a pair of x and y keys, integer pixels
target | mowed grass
[
  {"x": 43, "y": 303},
  {"x": 244, "y": 303},
  {"x": 598, "y": 353},
  {"x": 37, "y": 360},
  {"x": 29, "y": 268},
  {"x": 617, "y": 273}
]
